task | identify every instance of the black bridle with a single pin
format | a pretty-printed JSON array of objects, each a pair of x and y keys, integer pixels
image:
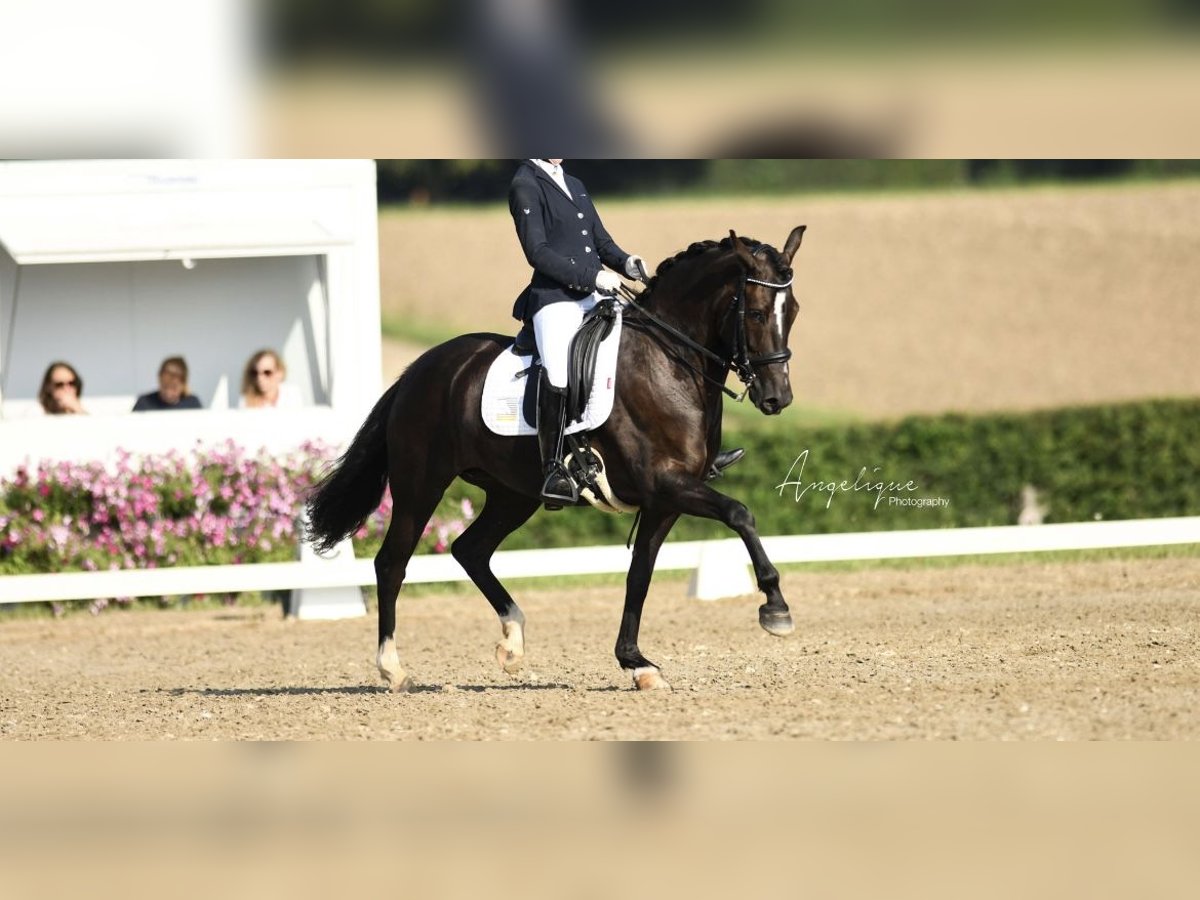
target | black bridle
[{"x": 740, "y": 361}]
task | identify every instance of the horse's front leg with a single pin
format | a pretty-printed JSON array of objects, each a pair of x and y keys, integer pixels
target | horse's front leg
[
  {"x": 696, "y": 498},
  {"x": 651, "y": 533}
]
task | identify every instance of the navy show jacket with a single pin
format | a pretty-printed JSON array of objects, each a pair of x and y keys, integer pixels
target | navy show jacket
[{"x": 563, "y": 239}]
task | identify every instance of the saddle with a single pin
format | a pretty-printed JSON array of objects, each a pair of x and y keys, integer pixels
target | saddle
[{"x": 581, "y": 360}]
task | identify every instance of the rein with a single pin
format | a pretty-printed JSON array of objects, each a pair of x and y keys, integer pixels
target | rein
[{"x": 741, "y": 362}]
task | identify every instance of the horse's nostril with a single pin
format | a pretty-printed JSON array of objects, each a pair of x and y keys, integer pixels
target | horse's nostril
[{"x": 770, "y": 406}]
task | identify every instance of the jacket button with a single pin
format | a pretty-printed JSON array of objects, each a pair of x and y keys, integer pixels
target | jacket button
[
  {"x": 584, "y": 231},
  {"x": 579, "y": 214},
  {"x": 587, "y": 249}
]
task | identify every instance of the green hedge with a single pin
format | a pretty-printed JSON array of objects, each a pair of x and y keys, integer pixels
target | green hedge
[{"x": 1126, "y": 461}]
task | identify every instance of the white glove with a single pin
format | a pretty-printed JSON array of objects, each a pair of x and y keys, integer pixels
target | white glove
[
  {"x": 607, "y": 282},
  {"x": 635, "y": 267}
]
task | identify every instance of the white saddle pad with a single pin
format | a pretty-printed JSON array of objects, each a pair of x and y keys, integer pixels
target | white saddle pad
[{"x": 504, "y": 392}]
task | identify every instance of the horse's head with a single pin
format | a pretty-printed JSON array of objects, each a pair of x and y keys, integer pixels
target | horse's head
[{"x": 762, "y": 320}]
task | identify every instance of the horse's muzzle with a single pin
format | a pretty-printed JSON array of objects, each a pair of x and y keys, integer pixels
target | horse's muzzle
[{"x": 770, "y": 399}]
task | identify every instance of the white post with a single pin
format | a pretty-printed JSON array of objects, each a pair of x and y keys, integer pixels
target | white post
[
  {"x": 330, "y": 602},
  {"x": 721, "y": 572}
]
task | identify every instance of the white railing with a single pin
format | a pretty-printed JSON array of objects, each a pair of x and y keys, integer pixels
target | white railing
[{"x": 343, "y": 571}]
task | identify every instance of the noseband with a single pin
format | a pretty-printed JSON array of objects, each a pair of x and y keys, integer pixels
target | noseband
[{"x": 741, "y": 362}]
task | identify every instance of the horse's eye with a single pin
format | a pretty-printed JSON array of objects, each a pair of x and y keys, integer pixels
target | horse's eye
[{"x": 757, "y": 315}]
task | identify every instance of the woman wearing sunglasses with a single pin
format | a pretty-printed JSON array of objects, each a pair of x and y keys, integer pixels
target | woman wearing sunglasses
[
  {"x": 263, "y": 385},
  {"x": 61, "y": 389}
]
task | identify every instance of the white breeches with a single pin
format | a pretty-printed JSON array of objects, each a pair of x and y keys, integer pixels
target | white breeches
[{"x": 553, "y": 327}]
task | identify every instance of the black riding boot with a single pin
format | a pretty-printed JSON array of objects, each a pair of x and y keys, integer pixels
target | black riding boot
[
  {"x": 723, "y": 461},
  {"x": 559, "y": 489}
]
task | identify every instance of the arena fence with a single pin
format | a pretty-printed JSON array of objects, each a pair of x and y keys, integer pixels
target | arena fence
[{"x": 724, "y": 558}]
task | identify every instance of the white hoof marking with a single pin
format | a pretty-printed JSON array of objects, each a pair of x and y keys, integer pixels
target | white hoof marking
[
  {"x": 388, "y": 661},
  {"x": 648, "y": 678},
  {"x": 510, "y": 652}
]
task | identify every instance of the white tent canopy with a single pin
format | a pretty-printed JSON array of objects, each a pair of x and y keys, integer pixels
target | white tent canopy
[{"x": 113, "y": 266}]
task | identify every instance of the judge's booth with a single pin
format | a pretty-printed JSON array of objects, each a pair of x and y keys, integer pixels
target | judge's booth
[{"x": 114, "y": 266}]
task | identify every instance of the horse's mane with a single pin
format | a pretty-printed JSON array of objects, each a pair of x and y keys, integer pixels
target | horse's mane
[{"x": 700, "y": 248}]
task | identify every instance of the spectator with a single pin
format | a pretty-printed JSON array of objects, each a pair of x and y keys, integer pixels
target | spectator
[
  {"x": 61, "y": 390},
  {"x": 263, "y": 384},
  {"x": 173, "y": 391}
]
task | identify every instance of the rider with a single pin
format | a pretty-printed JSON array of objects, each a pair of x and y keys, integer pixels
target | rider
[{"x": 566, "y": 243}]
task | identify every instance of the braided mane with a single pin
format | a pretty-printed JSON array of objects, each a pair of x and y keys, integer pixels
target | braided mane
[{"x": 699, "y": 248}]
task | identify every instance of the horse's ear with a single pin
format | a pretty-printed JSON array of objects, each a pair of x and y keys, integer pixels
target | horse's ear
[
  {"x": 793, "y": 242},
  {"x": 743, "y": 251}
]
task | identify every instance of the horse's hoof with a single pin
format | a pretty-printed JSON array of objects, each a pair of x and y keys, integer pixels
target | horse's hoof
[
  {"x": 778, "y": 624},
  {"x": 510, "y": 652},
  {"x": 510, "y": 662},
  {"x": 388, "y": 663},
  {"x": 650, "y": 680},
  {"x": 404, "y": 686}
]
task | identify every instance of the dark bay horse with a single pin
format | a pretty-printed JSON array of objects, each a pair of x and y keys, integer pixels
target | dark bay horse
[{"x": 713, "y": 307}]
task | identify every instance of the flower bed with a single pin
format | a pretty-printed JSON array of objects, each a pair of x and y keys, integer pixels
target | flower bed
[{"x": 214, "y": 505}]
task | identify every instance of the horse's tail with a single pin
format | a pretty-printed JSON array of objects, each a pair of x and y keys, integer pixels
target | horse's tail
[{"x": 352, "y": 489}]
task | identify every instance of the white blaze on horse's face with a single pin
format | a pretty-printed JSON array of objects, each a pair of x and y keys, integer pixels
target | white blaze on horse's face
[{"x": 780, "y": 306}]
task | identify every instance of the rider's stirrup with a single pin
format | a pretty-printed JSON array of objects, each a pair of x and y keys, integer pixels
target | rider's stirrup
[{"x": 559, "y": 489}]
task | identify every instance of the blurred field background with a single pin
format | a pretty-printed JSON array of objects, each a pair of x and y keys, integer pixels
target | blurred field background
[
  {"x": 762, "y": 78},
  {"x": 920, "y": 290},
  {"x": 678, "y": 78}
]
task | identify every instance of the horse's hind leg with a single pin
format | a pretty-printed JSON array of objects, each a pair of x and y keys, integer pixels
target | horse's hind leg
[
  {"x": 650, "y": 536},
  {"x": 411, "y": 509},
  {"x": 503, "y": 513}
]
